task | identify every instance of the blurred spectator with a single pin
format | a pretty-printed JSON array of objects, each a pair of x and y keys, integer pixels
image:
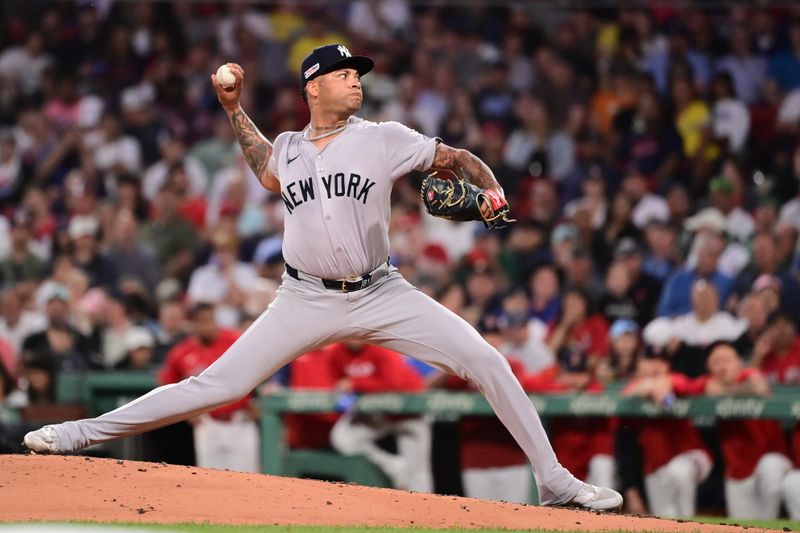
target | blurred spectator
[
  {"x": 692, "y": 119},
  {"x": 173, "y": 157},
  {"x": 661, "y": 256},
  {"x": 537, "y": 147},
  {"x": 676, "y": 294},
  {"x": 226, "y": 437},
  {"x": 21, "y": 264},
  {"x": 625, "y": 348},
  {"x": 545, "y": 288},
  {"x": 701, "y": 328},
  {"x": 242, "y": 24},
  {"x": 790, "y": 211},
  {"x": 754, "y": 451},
  {"x": 673, "y": 467},
  {"x": 619, "y": 226},
  {"x": 317, "y": 34},
  {"x": 171, "y": 238},
  {"x": 580, "y": 273},
  {"x": 10, "y": 168},
  {"x": 129, "y": 257},
  {"x": 375, "y": 21},
  {"x": 23, "y": 66},
  {"x": 67, "y": 108},
  {"x": 745, "y": 68},
  {"x": 37, "y": 382},
  {"x": 524, "y": 251},
  {"x": 59, "y": 343},
  {"x": 112, "y": 330},
  {"x": 578, "y": 337},
  {"x": 643, "y": 288},
  {"x": 522, "y": 343},
  {"x": 787, "y": 235},
  {"x": 678, "y": 56},
  {"x": 777, "y": 351},
  {"x": 224, "y": 281},
  {"x": 218, "y": 151},
  {"x": 16, "y": 322},
  {"x": 646, "y": 205},
  {"x": 362, "y": 368},
  {"x": 139, "y": 351},
  {"x": 83, "y": 233},
  {"x": 172, "y": 328},
  {"x": 648, "y": 141},
  {"x": 739, "y": 224},
  {"x": 114, "y": 153},
  {"x": 764, "y": 262},
  {"x": 784, "y": 66},
  {"x": 753, "y": 311},
  {"x": 593, "y": 200},
  {"x": 730, "y": 119},
  {"x": 617, "y": 303}
]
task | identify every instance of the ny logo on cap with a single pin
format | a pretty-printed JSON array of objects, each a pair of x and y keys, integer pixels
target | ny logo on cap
[{"x": 343, "y": 50}]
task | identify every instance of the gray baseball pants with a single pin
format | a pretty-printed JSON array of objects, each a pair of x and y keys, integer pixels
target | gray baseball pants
[{"x": 306, "y": 316}]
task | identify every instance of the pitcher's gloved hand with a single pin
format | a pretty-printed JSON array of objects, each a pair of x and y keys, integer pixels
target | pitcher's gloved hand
[{"x": 461, "y": 200}]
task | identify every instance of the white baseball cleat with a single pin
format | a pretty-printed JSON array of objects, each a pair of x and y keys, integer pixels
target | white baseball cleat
[
  {"x": 43, "y": 440},
  {"x": 597, "y": 498}
]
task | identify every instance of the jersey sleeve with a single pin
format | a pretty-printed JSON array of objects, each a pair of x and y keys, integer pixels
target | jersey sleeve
[
  {"x": 407, "y": 149},
  {"x": 278, "y": 147}
]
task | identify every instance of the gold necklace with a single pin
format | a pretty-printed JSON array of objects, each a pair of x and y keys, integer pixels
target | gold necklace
[{"x": 335, "y": 130}]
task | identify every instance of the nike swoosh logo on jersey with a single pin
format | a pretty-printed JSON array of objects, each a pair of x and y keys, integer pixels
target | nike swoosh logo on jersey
[{"x": 289, "y": 161}]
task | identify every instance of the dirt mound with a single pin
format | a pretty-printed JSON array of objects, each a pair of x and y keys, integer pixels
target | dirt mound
[{"x": 83, "y": 488}]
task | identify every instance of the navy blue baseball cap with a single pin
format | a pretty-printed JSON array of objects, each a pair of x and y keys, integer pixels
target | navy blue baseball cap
[{"x": 330, "y": 57}]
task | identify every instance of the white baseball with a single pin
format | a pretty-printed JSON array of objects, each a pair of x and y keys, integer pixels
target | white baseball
[{"x": 225, "y": 77}]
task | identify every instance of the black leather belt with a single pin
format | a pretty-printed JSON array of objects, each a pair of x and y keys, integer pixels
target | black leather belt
[{"x": 345, "y": 285}]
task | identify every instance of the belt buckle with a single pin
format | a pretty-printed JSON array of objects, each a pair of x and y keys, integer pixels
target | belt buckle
[{"x": 345, "y": 281}]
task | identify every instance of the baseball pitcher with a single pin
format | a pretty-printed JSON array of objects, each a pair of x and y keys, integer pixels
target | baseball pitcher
[{"x": 335, "y": 177}]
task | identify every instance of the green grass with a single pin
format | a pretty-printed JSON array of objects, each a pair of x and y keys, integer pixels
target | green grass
[{"x": 770, "y": 524}]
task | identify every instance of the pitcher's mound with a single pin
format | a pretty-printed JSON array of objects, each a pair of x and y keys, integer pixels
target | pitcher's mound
[{"x": 59, "y": 488}]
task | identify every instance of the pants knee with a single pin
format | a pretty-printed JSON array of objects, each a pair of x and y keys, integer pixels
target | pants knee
[
  {"x": 682, "y": 471},
  {"x": 344, "y": 439},
  {"x": 217, "y": 392},
  {"x": 772, "y": 468},
  {"x": 484, "y": 364}
]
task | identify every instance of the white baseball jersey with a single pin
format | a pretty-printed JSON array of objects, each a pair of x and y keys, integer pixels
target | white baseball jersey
[{"x": 337, "y": 198}]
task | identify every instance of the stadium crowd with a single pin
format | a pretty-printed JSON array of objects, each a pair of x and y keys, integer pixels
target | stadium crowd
[{"x": 651, "y": 156}]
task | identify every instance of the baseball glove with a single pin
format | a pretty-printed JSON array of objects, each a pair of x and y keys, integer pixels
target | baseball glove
[{"x": 461, "y": 200}]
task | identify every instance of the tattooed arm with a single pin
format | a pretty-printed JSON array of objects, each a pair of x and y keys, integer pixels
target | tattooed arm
[
  {"x": 464, "y": 163},
  {"x": 255, "y": 147}
]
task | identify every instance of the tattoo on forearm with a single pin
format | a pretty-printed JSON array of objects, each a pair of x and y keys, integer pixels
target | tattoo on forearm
[
  {"x": 466, "y": 165},
  {"x": 255, "y": 147}
]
